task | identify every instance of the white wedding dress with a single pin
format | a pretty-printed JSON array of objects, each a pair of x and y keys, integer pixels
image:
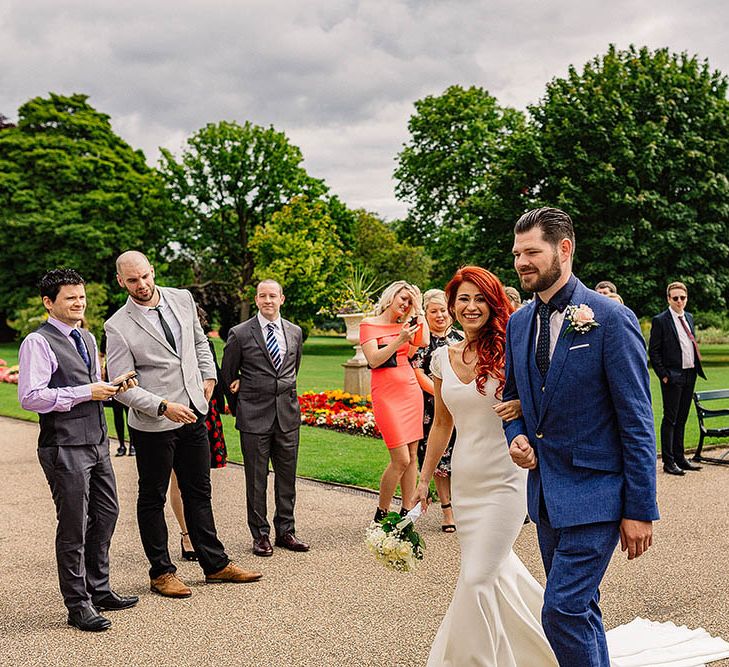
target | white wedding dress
[{"x": 494, "y": 617}]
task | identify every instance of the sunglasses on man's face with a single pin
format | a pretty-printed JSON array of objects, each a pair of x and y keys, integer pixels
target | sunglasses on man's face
[{"x": 678, "y": 298}]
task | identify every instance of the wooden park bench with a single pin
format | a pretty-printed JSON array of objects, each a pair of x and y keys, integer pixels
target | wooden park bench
[{"x": 704, "y": 413}]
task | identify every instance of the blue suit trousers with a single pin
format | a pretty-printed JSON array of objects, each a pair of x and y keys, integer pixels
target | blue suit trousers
[{"x": 575, "y": 560}]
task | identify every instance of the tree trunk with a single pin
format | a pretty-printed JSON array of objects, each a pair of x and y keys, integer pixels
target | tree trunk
[{"x": 245, "y": 310}]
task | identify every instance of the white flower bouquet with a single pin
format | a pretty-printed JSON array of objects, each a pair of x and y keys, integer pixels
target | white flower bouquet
[{"x": 394, "y": 542}]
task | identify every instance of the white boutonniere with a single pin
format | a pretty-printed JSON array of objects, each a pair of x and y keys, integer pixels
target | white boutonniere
[{"x": 581, "y": 319}]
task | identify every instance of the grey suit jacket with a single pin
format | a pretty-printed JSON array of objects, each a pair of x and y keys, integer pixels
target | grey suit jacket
[
  {"x": 132, "y": 343},
  {"x": 264, "y": 395}
]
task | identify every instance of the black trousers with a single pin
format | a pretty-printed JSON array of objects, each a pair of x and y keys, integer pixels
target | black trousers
[
  {"x": 282, "y": 448},
  {"x": 677, "y": 396},
  {"x": 83, "y": 486},
  {"x": 186, "y": 450}
]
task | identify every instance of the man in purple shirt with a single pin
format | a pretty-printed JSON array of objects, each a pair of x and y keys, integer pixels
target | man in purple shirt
[{"x": 60, "y": 380}]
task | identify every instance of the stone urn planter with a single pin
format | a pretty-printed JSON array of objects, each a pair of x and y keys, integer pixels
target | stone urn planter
[{"x": 356, "y": 373}]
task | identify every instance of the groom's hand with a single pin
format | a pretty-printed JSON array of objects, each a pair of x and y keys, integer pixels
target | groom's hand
[
  {"x": 635, "y": 537},
  {"x": 522, "y": 453}
]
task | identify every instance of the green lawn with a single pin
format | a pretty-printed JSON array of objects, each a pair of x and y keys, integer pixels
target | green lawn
[{"x": 358, "y": 460}]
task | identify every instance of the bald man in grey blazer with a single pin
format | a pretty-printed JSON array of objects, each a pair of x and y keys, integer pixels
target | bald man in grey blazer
[
  {"x": 261, "y": 359},
  {"x": 158, "y": 335}
]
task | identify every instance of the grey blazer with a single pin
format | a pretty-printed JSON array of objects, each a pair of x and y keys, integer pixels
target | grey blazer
[
  {"x": 264, "y": 395},
  {"x": 132, "y": 343}
]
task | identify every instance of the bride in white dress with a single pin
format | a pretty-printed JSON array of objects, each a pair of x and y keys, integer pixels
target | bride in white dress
[{"x": 493, "y": 619}]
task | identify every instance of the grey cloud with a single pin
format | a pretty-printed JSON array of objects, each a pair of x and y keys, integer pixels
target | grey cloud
[{"x": 339, "y": 77}]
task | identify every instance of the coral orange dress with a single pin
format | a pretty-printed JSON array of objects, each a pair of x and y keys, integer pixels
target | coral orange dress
[{"x": 397, "y": 400}]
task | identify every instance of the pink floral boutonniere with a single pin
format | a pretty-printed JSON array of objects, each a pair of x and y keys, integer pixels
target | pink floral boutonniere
[{"x": 581, "y": 319}]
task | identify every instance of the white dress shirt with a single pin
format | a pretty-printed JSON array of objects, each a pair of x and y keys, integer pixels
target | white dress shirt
[
  {"x": 153, "y": 318},
  {"x": 277, "y": 332},
  {"x": 687, "y": 347}
]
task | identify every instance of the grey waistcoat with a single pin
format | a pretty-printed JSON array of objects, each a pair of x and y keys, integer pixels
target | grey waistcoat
[{"x": 84, "y": 424}]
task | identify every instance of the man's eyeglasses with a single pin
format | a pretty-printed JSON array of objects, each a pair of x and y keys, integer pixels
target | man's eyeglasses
[{"x": 678, "y": 298}]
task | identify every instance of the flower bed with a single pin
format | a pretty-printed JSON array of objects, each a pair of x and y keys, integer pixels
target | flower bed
[
  {"x": 8, "y": 373},
  {"x": 339, "y": 410}
]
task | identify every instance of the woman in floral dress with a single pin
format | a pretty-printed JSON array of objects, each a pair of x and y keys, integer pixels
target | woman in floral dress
[{"x": 441, "y": 333}]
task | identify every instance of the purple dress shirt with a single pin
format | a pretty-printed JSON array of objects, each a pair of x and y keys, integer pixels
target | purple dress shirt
[{"x": 37, "y": 363}]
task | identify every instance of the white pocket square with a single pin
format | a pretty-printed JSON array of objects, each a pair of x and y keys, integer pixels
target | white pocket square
[{"x": 577, "y": 347}]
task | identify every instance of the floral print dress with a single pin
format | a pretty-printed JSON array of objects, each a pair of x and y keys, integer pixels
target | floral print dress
[{"x": 421, "y": 359}]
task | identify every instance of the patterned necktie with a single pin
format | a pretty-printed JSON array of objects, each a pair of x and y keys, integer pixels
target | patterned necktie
[
  {"x": 81, "y": 347},
  {"x": 166, "y": 328},
  {"x": 272, "y": 345},
  {"x": 544, "y": 311},
  {"x": 690, "y": 335}
]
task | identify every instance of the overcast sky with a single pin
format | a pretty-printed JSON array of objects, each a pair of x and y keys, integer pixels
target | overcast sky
[{"x": 339, "y": 76}]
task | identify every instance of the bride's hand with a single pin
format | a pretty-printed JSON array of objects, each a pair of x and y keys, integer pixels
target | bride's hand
[
  {"x": 508, "y": 410},
  {"x": 421, "y": 495}
]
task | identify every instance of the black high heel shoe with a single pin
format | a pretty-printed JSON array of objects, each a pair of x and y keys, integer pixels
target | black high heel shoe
[
  {"x": 380, "y": 514},
  {"x": 186, "y": 555}
]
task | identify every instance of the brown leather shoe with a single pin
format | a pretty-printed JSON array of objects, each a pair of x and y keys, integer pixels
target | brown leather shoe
[
  {"x": 169, "y": 586},
  {"x": 291, "y": 542},
  {"x": 262, "y": 546},
  {"x": 233, "y": 574}
]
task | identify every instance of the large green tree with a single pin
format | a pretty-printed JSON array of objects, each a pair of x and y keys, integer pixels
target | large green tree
[
  {"x": 229, "y": 180},
  {"x": 72, "y": 193},
  {"x": 455, "y": 140},
  {"x": 377, "y": 250},
  {"x": 300, "y": 248},
  {"x": 636, "y": 148}
]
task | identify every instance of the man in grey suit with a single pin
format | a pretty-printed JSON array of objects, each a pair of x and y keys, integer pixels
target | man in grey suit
[
  {"x": 60, "y": 380},
  {"x": 157, "y": 333},
  {"x": 261, "y": 359}
]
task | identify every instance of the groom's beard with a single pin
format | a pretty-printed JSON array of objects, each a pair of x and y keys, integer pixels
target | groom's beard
[{"x": 542, "y": 281}]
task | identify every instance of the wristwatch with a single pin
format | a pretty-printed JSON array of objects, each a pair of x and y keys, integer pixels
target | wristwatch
[{"x": 162, "y": 408}]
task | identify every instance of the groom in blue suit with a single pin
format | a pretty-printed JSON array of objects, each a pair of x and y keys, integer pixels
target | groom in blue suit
[{"x": 577, "y": 362}]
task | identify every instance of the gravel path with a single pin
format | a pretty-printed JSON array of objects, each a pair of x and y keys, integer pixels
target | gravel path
[{"x": 331, "y": 606}]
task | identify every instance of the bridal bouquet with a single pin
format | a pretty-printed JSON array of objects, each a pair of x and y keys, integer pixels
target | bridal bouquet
[{"x": 394, "y": 542}]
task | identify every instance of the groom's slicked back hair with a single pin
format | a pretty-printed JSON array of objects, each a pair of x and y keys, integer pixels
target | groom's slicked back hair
[{"x": 554, "y": 223}]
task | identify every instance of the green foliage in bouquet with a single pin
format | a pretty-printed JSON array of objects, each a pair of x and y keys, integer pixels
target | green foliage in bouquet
[{"x": 394, "y": 522}]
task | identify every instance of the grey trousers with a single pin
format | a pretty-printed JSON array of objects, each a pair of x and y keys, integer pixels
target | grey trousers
[
  {"x": 83, "y": 486},
  {"x": 282, "y": 448}
]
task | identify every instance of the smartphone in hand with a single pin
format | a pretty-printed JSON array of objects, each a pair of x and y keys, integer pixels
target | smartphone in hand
[
  {"x": 119, "y": 381},
  {"x": 413, "y": 321}
]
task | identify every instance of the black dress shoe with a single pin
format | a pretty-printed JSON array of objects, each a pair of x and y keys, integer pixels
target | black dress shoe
[
  {"x": 113, "y": 602},
  {"x": 262, "y": 546},
  {"x": 121, "y": 450},
  {"x": 673, "y": 469},
  {"x": 186, "y": 555},
  {"x": 88, "y": 620},
  {"x": 686, "y": 465},
  {"x": 131, "y": 451},
  {"x": 291, "y": 542}
]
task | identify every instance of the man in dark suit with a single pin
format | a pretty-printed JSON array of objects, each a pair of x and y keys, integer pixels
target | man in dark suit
[
  {"x": 261, "y": 359},
  {"x": 60, "y": 380},
  {"x": 577, "y": 362},
  {"x": 676, "y": 360}
]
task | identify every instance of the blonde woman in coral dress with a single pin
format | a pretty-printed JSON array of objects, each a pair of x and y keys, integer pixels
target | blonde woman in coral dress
[{"x": 388, "y": 339}]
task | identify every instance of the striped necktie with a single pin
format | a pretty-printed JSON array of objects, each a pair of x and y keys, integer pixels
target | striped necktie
[{"x": 272, "y": 345}]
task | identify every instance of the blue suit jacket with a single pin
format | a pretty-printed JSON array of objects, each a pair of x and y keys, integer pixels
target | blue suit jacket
[{"x": 593, "y": 427}]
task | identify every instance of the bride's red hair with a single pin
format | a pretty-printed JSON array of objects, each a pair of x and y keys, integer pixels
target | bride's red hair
[{"x": 490, "y": 344}]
